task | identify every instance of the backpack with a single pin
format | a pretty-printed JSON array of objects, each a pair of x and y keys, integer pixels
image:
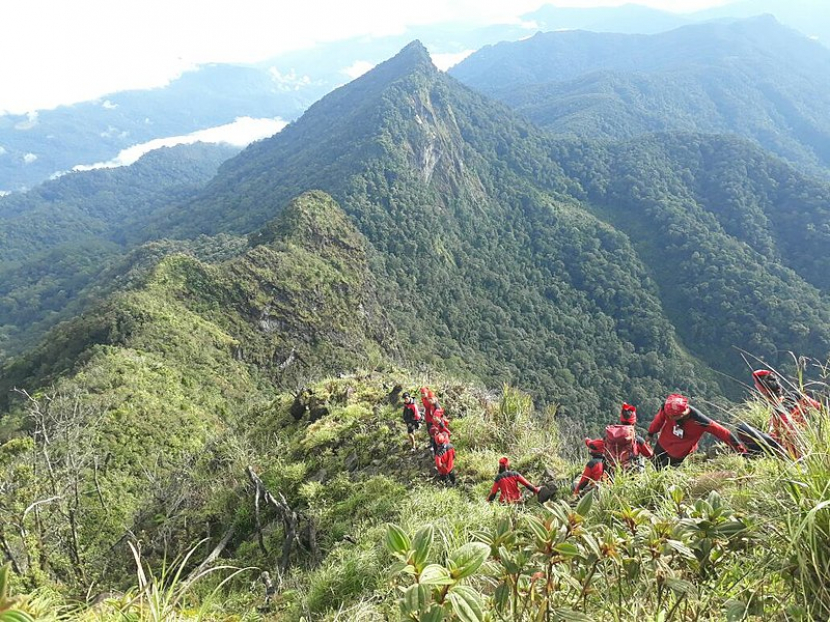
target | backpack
[{"x": 620, "y": 445}]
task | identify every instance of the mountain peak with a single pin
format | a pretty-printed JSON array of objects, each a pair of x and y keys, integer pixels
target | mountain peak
[
  {"x": 315, "y": 220},
  {"x": 414, "y": 51},
  {"x": 413, "y": 58}
]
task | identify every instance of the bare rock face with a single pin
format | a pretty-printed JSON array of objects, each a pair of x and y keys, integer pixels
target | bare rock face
[
  {"x": 395, "y": 394},
  {"x": 306, "y": 402}
]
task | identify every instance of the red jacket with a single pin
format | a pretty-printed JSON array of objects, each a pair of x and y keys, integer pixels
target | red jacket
[
  {"x": 643, "y": 448},
  {"x": 680, "y": 438},
  {"x": 429, "y": 409},
  {"x": 507, "y": 482},
  {"x": 439, "y": 424},
  {"x": 411, "y": 413},
  {"x": 593, "y": 473},
  {"x": 789, "y": 418},
  {"x": 445, "y": 458}
]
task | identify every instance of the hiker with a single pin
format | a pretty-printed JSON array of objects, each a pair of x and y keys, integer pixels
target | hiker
[
  {"x": 679, "y": 426},
  {"x": 789, "y": 410},
  {"x": 411, "y": 417},
  {"x": 437, "y": 422},
  {"x": 595, "y": 470},
  {"x": 628, "y": 416},
  {"x": 427, "y": 403},
  {"x": 445, "y": 459},
  {"x": 507, "y": 483}
]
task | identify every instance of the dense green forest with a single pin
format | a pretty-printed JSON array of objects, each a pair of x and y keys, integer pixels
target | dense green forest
[
  {"x": 754, "y": 78},
  {"x": 60, "y": 242}
]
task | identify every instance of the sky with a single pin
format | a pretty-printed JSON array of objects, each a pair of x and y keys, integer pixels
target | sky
[{"x": 62, "y": 52}]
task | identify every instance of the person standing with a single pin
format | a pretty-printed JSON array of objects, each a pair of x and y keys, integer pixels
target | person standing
[
  {"x": 426, "y": 394},
  {"x": 789, "y": 410},
  {"x": 628, "y": 416},
  {"x": 445, "y": 459},
  {"x": 411, "y": 417}
]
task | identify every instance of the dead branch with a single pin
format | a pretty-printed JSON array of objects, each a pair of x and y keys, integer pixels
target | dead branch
[{"x": 290, "y": 520}]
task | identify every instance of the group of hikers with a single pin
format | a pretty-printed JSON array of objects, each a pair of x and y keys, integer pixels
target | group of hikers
[{"x": 673, "y": 434}]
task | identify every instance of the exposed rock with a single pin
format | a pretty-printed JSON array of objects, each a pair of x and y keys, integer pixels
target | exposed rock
[
  {"x": 395, "y": 394},
  {"x": 316, "y": 412},
  {"x": 299, "y": 406}
]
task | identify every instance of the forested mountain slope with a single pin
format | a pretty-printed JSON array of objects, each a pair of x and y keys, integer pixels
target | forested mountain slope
[
  {"x": 754, "y": 78},
  {"x": 732, "y": 236},
  {"x": 503, "y": 241},
  {"x": 301, "y": 297},
  {"x": 148, "y": 395},
  {"x": 497, "y": 271},
  {"x": 59, "y": 238}
]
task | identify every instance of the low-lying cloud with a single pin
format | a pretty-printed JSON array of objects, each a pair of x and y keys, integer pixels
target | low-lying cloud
[{"x": 242, "y": 132}]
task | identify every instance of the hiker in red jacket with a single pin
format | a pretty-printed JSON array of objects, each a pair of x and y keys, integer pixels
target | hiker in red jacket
[
  {"x": 507, "y": 483},
  {"x": 445, "y": 459},
  {"x": 438, "y": 423},
  {"x": 628, "y": 416},
  {"x": 678, "y": 428},
  {"x": 789, "y": 410},
  {"x": 411, "y": 417},
  {"x": 594, "y": 471},
  {"x": 426, "y": 394}
]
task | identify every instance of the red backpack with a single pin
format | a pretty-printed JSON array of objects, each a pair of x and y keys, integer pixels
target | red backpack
[{"x": 620, "y": 445}]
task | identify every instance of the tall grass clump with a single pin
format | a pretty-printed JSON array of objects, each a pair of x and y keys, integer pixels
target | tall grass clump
[
  {"x": 161, "y": 596},
  {"x": 806, "y": 523}
]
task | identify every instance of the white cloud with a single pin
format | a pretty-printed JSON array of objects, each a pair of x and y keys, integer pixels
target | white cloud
[
  {"x": 288, "y": 81},
  {"x": 357, "y": 69},
  {"x": 114, "y": 132},
  {"x": 445, "y": 61},
  {"x": 29, "y": 123},
  {"x": 109, "y": 105},
  {"x": 2, "y": 150},
  {"x": 243, "y": 131},
  {"x": 29, "y": 158}
]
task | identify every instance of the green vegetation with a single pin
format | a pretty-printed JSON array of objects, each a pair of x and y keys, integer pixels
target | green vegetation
[
  {"x": 230, "y": 398},
  {"x": 722, "y": 538},
  {"x": 60, "y": 241}
]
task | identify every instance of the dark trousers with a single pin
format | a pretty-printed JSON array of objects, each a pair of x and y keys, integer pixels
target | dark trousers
[
  {"x": 757, "y": 443},
  {"x": 662, "y": 460},
  {"x": 449, "y": 478}
]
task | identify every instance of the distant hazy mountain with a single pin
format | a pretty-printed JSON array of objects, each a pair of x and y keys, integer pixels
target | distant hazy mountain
[
  {"x": 754, "y": 77},
  {"x": 628, "y": 18},
  {"x": 811, "y": 17},
  {"x": 34, "y": 148}
]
